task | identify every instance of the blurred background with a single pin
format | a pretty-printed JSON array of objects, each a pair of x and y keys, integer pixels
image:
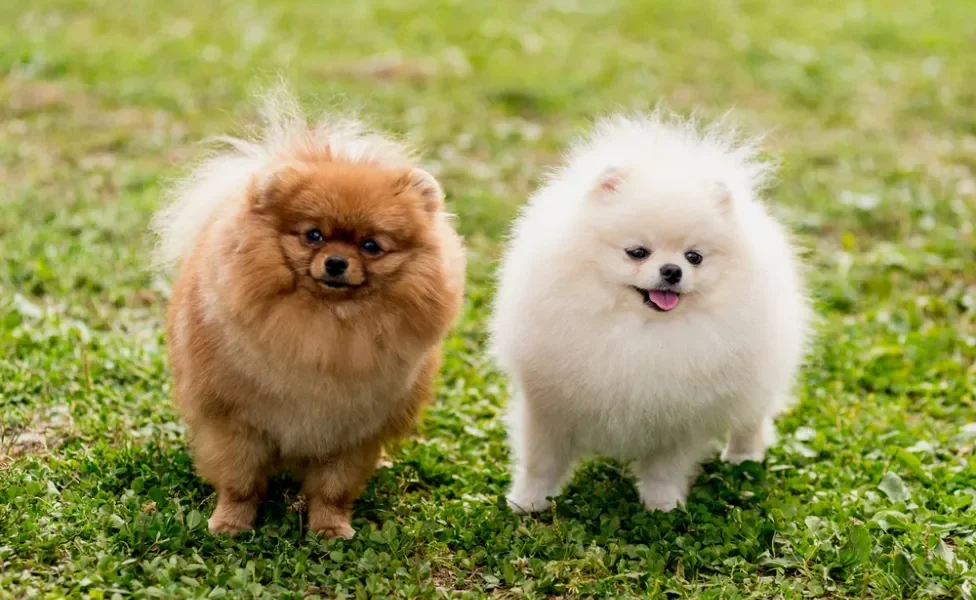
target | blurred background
[{"x": 869, "y": 105}]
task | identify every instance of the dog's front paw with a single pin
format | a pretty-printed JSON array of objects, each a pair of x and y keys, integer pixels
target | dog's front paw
[
  {"x": 339, "y": 530},
  {"x": 233, "y": 517},
  {"x": 220, "y": 525},
  {"x": 737, "y": 458},
  {"x": 330, "y": 521},
  {"x": 522, "y": 504},
  {"x": 662, "y": 496}
]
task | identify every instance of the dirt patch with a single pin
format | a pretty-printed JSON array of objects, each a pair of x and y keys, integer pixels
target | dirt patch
[
  {"x": 47, "y": 430},
  {"x": 444, "y": 580},
  {"x": 28, "y": 95}
]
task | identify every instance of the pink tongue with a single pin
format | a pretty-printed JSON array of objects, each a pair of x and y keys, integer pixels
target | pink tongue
[{"x": 665, "y": 300}]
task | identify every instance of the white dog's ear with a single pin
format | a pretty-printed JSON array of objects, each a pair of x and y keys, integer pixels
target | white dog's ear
[
  {"x": 607, "y": 184},
  {"x": 274, "y": 183},
  {"x": 424, "y": 184},
  {"x": 724, "y": 199}
]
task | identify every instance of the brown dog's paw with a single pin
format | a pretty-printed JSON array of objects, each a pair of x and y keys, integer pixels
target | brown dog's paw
[
  {"x": 340, "y": 530},
  {"x": 330, "y": 521},
  {"x": 233, "y": 517},
  {"x": 217, "y": 525}
]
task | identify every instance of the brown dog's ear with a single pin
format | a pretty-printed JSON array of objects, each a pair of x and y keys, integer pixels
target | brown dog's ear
[
  {"x": 607, "y": 184},
  {"x": 278, "y": 181},
  {"x": 423, "y": 183}
]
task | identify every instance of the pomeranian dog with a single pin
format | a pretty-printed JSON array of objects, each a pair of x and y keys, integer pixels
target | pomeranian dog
[
  {"x": 318, "y": 275},
  {"x": 648, "y": 304}
]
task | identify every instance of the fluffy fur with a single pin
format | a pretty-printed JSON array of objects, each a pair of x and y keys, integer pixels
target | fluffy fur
[
  {"x": 598, "y": 366},
  {"x": 279, "y": 360}
]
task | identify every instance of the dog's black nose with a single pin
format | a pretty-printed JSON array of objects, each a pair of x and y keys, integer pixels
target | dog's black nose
[
  {"x": 336, "y": 265},
  {"x": 671, "y": 273}
]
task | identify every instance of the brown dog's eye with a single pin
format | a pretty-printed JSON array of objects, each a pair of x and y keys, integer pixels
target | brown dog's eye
[
  {"x": 314, "y": 236},
  {"x": 371, "y": 247}
]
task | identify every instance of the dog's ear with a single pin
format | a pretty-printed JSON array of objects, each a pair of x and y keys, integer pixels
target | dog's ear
[
  {"x": 607, "y": 184},
  {"x": 423, "y": 184},
  {"x": 278, "y": 181},
  {"x": 723, "y": 198}
]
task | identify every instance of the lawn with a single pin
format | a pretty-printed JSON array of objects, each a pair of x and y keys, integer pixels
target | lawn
[{"x": 870, "y": 105}]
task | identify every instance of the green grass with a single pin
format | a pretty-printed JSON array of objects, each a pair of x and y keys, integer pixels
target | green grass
[{"x": 870, "y": 105}]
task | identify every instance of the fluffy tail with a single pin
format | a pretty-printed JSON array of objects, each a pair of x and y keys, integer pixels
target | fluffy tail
[{"x": 223, "y": 176}]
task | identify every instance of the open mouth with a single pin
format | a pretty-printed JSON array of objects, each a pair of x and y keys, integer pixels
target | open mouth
[
  {"x": 659, "y": 300},
  {"x": 336, "y": 285}
]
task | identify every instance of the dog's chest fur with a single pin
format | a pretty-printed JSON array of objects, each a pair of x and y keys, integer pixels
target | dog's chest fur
[
  {"x": 311, "y": 413},
  {"x": 623, "y": 389}
]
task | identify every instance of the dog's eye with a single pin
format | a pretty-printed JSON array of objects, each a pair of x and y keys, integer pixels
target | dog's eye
[
  {"x": 693, "y": 257},
  {"x": 638, "y": 252},
  {"x": 370, "y": 246},
  {"x": 314, "y": 236}
]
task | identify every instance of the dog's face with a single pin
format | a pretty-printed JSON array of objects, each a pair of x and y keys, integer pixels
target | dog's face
[
  {"x": 669, "y": 247},
  {"x": 350, "y": 231}
]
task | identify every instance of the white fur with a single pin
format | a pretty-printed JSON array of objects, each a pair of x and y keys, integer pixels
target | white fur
[
  {"x": 223, "y": 177},
  {"x": 597, "y": 372}
]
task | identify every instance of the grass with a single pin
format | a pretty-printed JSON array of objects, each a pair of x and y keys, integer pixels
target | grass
[{"x": 870, "y": 492}]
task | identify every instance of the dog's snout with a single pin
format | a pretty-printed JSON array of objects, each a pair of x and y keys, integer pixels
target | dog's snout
[
  {"x": 671, "y": 273},
  {"x": 336, "y": 265}
]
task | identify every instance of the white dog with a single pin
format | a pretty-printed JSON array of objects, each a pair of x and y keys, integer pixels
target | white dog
[{"x": 648, "y": 304}]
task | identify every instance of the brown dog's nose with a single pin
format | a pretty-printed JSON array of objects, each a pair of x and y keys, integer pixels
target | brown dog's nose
[{"x": 336, "y": 265}]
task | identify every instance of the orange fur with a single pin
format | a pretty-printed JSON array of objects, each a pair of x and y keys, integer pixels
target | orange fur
[{"x": 272, "y": 368}]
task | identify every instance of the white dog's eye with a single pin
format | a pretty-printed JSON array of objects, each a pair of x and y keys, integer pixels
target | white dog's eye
[
  {"x": 638, "y": 252},
  {"x": 693, "y": 257}
]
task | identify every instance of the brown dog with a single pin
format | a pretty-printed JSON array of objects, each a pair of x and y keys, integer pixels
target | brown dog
[{"x": 318, "y": 277}]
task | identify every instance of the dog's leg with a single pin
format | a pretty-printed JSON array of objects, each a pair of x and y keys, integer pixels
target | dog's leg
[
  {"x": 750, "y": 443},
  {"x": 543, "y": 457},
  {"x": 333, "y": 485},
  {"x": 664, "y": 479},
  {"x": 236, "y": 463},
  {"x": 538, "y": 476}
]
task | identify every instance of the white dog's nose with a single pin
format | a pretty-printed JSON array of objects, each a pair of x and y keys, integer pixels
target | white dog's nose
[{"x": 671, "y": 273}]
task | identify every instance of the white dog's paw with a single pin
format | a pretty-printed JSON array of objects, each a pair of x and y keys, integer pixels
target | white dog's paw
[
  {"x": 750, "y": 445},
  {"x": 662, "y": 496},
  {"x": 737, "y": 458},
  {"x": 522, "y": 504}
]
